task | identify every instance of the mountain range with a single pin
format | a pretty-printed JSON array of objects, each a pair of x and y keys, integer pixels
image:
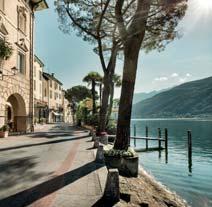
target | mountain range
[
  {"x": 142, "y": 96},
  {"x": 191, "y": 99}
]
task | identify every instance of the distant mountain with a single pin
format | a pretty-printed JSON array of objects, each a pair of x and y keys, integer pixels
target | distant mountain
[
  {"x": 192, "y": 99},
  {"x": 143, "y": 96}
]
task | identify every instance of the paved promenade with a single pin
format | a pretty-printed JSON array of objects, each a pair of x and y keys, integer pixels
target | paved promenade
[{"x": 53, "y": 167}]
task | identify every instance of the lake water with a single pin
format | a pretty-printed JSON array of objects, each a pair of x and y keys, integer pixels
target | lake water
[{"x": 195, "y": 184}]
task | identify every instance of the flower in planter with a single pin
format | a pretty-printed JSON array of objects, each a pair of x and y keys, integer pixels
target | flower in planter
[
  {"x": 5, "y": 50},
  {"x": 120, "y": 153},
  {"x": 4, "y": 128}
]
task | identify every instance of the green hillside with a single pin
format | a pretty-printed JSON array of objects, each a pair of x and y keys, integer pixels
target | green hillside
[
  {"x": 143, "y": 96},
  {"x": 192, "y": 99}
]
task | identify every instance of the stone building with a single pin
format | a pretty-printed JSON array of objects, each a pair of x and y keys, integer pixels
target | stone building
[
  {"x": 53, "y": 98},
  {"x": 40, "y": 106},
  {"x": 16, "y": 91},
  {"x": 67, "y": 111}
]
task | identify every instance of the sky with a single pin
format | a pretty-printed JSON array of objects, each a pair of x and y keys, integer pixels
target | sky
[{"x": 186, "y": 59}]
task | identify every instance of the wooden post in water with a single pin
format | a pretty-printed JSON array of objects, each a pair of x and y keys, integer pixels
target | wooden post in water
[
  {"x": 166, "y": 144},
  {"x": 189, "y": 150},
  {"x": 147, "y": 135},
  {"x": 134, "y": 135},
  {"x": 159, "y": 137},
  {"x": 166, "y": 140}
]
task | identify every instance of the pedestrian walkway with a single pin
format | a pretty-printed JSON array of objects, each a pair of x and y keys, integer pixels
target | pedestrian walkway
[{"x": 52, "y": 168}]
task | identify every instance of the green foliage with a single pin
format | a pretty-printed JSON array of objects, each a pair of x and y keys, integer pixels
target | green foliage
[
  {"x": 83, "y": 114},
  {"x": 172, "y": 103},
  {"x": 6, "y": 50},
  {"x": 82, "y": 111},
  {"x": 92, "y": 119},
  {"x": 92, "y": 76},
  {"x": 4, "y": 128},
  {"x": 111, "y": 127},
  {"x": 117, "y": 80},
  {"x": 119, "y": 153},
  {"x": 78, "y": 93}
]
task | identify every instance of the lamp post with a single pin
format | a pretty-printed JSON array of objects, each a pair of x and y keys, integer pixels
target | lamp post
[{"x": 14, "y": 72}]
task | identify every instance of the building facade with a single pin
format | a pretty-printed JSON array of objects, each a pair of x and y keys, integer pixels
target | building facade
[
  {"x": 67, "y": 111},
  {"x": 16, "y": 91},
  {"x": 40, "y": 105},
  {"x": 53, "y": 98}
]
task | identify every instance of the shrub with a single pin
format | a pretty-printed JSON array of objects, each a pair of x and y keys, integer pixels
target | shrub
[
  {"x": 111, "y": 127},
  {"x": 92, "y": 120},
  {"x": 5, "y": 50},
  {"x": 120, "y": 153},
  {"x": 4, "y": 128}
]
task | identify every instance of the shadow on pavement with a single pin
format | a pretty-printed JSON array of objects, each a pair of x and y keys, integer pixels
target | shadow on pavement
[
  {"x": 43, "y": 143},
  {"x": 39, "y": 191},
  {"x": 104, "y": 203},
  {"x": 50, "y": 135},
  {"x": 16, "y": 171}
]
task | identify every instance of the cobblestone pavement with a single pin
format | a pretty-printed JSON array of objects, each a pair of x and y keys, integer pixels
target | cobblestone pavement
[{"x": 53, "y": 167}]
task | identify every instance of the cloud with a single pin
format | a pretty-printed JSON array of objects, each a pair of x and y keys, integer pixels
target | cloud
[
  {"x": 161, "y": 78},
  {"x": 188, "y": 75},
  {"x": 182, "y": 80},
  {"x": 173, "y": 75}
]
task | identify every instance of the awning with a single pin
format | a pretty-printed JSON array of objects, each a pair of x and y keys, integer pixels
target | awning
[
  {"x": 57, "y": 114},
  {"x": 40, "y": 4}
]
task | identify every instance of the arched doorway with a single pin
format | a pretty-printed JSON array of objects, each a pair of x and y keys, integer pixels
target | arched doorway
[{"x": 16, "y": 113}]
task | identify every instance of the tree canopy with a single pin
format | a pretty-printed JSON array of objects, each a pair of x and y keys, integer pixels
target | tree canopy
[
  {"x": 92, "y": 76},
  {"x": 148, "y": 25},
  {"x": 78, "y": 93}
]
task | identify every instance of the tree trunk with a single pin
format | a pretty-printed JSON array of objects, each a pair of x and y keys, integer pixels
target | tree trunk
[
  {"x": 111, "y": 102},
  {"x": 131, "y": 53},
  {"x": 104, "y": 105},
  {"x": 108, "y": 75},
  {"x": 100, "y": 94},
  {"x": 94, "y": 96}
]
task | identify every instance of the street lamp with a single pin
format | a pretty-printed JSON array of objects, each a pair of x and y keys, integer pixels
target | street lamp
[{"x": 14, "y": 72}]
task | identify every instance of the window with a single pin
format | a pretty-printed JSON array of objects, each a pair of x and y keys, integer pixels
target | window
[
  {"x": 40, "y": 75},
  {"x": 55, "y": 86},
  {"x": 21, "y": 62},
  {"x": 2, "y": 5},
  {"x": 50, "y": 94},
  {"x": 55, "y": 96},
  {"x": 50, "y": 83},
  {"x": 45, "y": 93},
  {"x": 22, "y": 21},
  {"x": 34, "y": 71},
  {"x": 34, "y": 85}
]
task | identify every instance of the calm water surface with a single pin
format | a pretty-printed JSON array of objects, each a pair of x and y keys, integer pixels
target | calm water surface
[{"x": 194, "y": 185}]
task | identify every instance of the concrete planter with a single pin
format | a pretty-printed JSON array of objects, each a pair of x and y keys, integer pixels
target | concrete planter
[
  {"x": 103, "y": 139},
  {"x": 127, "y": 166},
  {"x": 4, "y": 134},
  {"x": 96, "y": 142}
]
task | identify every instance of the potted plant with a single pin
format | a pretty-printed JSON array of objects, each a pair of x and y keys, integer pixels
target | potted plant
[
  {"x": 4, "y": 131},
  {"x": 125, "y": 161},
  {"x": 6, "y": 51}
]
